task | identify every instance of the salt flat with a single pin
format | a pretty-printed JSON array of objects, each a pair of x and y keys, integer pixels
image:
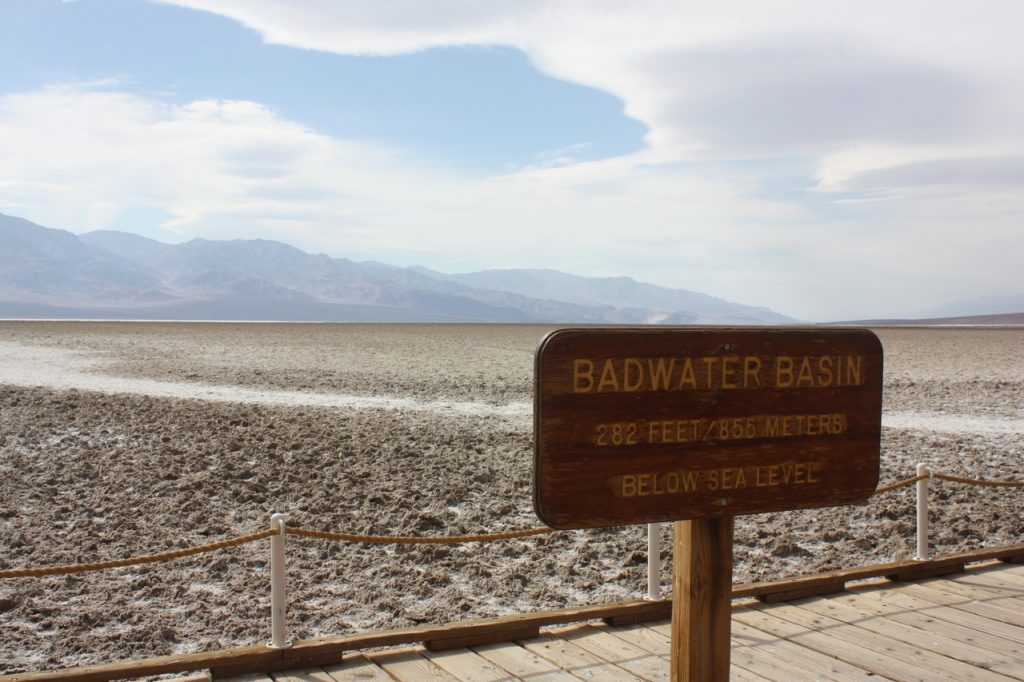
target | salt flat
[{"x": 118, "y": 439}]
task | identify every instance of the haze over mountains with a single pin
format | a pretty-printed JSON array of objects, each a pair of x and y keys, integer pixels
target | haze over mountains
[{"x": 48, "y": 273}]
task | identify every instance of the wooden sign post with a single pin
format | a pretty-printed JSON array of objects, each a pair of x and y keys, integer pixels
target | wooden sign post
[{"x": 699, "y": 425}]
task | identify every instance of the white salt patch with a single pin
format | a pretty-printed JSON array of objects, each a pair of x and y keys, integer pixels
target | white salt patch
[
  {"x": 951, "y": 423},
  {"x": 61, "y": 369}
]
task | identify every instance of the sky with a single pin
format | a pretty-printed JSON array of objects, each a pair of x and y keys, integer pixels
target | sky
[{"x": 827, "y": 159}]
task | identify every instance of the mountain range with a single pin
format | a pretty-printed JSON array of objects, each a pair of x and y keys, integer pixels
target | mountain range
[{"x": 49, "y": 273}]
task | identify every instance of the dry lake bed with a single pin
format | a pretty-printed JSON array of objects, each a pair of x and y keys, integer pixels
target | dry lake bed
[{"x": 121, "y": 439}]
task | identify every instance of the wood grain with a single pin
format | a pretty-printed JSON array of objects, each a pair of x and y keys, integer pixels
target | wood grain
[
  {"x": 701, "y": 617},
  {"x": 642, "y": 425}
]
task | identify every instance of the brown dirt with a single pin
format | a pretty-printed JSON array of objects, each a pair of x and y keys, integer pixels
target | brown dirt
[{"x": 87, "y": 475}]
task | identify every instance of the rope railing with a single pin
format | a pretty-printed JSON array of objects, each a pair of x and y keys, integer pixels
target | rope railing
[
  {"x": 68, "y": 569},
  {"x": 979, "y": 482},
  {"x": 410, "y": 540},
  {"x": 169, "y": 555},
  {"x": 279, "y": 531},
  {"x": 905, "y": 483}
]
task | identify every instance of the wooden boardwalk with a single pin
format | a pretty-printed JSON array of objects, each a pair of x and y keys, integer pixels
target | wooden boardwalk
[{"x": 968, "y": 626}]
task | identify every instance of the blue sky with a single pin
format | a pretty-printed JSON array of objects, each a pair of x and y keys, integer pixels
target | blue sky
[{"x": 825, "y": 159}]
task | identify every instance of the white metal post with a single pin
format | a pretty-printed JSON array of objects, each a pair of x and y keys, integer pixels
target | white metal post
[
  {"x": 654, "y": 561},
  {"x": 278, "y": 586},
  {"x": 922, "y": 513}
]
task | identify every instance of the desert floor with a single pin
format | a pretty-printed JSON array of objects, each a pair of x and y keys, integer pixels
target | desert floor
[{"x": 121, "y": 439}]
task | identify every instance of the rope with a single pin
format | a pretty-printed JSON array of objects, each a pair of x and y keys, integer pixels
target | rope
[
  {"x": 973, "y": 481},
  {"x": 389, "y": 539},
  {"x": 403, "y": 540},
  {"x": 946, "y": 477},
  {"x": 135, "y": 561},
  {"x": 900, "y": 484}
]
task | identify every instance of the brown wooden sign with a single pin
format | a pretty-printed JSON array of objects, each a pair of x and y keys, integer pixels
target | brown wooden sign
[{"x": 644, "y": 425}]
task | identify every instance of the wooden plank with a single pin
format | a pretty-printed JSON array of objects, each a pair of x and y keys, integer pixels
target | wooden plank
[
  {"x": 860, "y": 614},
  {"x": 701, "y": 605},
  {"x": 309, "y": 675},
  {"x": 983, "y": 594},
  {"x": 598, "y": 641},
  {"x": 151, "y": 666},
  {"x": 1002, "y": 573},
  {"x": 929, "y": 609},
  {"x": 1004, "y": 585},
  {"x": 329, "y": 649},
  {"x": 478, "y": 638},
  {"x": 464, "y": 664},
  {"x": 758, "y": 589},
  {"x": 410, "y": 666},
  {"x": 522, "y": 663},
  {"x": 802, "y": 592},
  {"x": 738, "y": 674},
  {"x": 357, "y": 668},
  {"x": 251, "y": 677},
  {"x": 576, "y": 660},
  {"x": 769, "y": 667},
  {"x": 765, "y": 661},
  {"x": 661, "y": 610},
  {"x": 923, "y": 570},
  {"x": 822, "y": 666},
  {"x": 995, "y": 612},
  {"x": 913, "y": 654},
  {"x": 957, "y": 630},
  {"x": 646, "y": 638},
  {"x": 873, "y": 658}
]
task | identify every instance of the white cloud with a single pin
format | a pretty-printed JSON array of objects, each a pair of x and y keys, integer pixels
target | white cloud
[
  {"x": 735, "y": 78},
  {"x": 909, "y": 114}
]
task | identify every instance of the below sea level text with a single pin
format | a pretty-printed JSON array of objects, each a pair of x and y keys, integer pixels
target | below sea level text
[
  {"x": 721, "y": 479},
  {"x": 666, "y": 431}
]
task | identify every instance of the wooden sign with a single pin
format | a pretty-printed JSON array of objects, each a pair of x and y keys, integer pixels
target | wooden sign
[{"x": 643, "y": 425}]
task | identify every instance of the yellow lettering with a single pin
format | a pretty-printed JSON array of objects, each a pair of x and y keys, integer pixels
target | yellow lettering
[
  {"x": 783, "y": 371},
  {"x": 728, "y": 370},
  {"x": 691, "y": 479},
  {"x": 810, "y": 472},
  {"x": 741, "y": 479},
  {"x": 806, "y": 376},
  {"x": 709, "y": 363},
  {"x": 825, "y": 371},
  {"x": 629, "y": 486},
  {"x": 687, "y": 378},
  {"x": 800, "y": 474},
  {"x": 661, "y": 373},
  {"x": 632, "y": 369},
  {"x": 728, "y": 479},
  {"x": 582, "y": 375},
  {"x": 751, "y": 370},
  {"x": 608, "y": 377},
  {"x": 853, "y": 370}
]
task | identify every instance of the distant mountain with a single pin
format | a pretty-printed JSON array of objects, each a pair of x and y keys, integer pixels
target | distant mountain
[
  {"x": 677, "y": 305},
  {"x": 988, "y": 305},
  {"x": 1003, "y": 319},
  {"x": 106, "y": 274},
  {"x": 38, "y": 264}
]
